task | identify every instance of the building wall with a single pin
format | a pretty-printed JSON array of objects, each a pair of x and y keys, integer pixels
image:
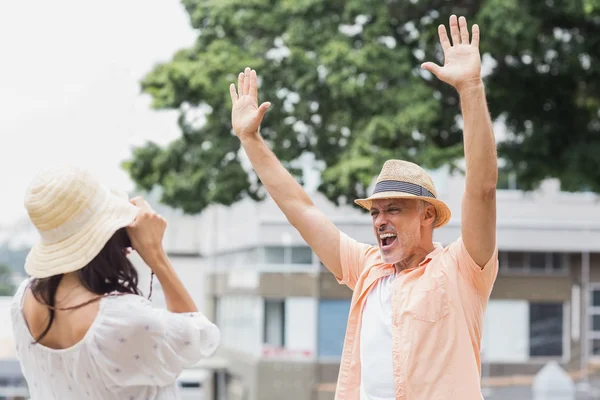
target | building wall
[
  {"x": 534, "y": 288},
  {"x": 243, "y": 375},
  {"x": 567, "y": 289},
  {"x": 313, "y": 332},
  {"x": 285, "y": 380},
  {"x": 277, "y": 285},
  {"x": 276, "y": 380},
  {"x": 523, "y": 288}
]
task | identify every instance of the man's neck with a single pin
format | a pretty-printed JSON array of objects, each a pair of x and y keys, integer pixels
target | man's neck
[{"x": 415, "y": 258}]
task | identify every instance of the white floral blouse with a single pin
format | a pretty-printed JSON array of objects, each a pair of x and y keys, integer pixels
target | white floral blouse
[{"x": 132, "y": 351}]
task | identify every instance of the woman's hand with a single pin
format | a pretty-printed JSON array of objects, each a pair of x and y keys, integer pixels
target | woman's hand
[{"x": 146, "y": 233}]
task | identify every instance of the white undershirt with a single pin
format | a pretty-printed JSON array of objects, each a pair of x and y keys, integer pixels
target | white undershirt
[{"x": 377, "y": 373}]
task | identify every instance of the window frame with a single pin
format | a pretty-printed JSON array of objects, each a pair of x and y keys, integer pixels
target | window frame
[
  {"x": 266, "y": 301},
  {"x": 287, "y": 257},
  {"x": 320, "y": 318},
  {"x": 590, "y": 311},
  {"x": 540, "y": 360},
  {"x": 525, "y": 269},
  {"x": 566, "y": 334}
]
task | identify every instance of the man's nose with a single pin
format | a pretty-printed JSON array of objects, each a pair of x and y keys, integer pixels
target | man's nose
[{"x": 381, "y": 222}]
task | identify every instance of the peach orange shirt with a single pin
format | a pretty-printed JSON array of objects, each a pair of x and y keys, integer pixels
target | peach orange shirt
[{"x": 437, "y": 318}]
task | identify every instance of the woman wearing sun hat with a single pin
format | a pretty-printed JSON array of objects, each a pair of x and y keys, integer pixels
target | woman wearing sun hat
[{"x": 81, "y": 327}]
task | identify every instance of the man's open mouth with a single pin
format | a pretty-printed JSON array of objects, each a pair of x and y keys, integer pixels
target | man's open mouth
[{"x": 387, "y": 239}]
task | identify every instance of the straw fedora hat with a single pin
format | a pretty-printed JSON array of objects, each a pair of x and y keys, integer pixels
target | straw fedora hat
[
  {"x": 405, "y": 180},
  {"x": 75, "y": 216}
]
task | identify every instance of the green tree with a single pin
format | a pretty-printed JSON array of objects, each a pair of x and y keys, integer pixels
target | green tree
[
  {"x": 7, "y": 286},
  {"x": 345, "y": 81}
]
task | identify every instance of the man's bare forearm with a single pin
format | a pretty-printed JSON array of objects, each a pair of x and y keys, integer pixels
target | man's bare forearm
[
  {"x": 478, "y": 221},
  {"x": 480, "y": 144},
  {"x": 314, "y": 227},
  {"x": 281, "y": 185}
]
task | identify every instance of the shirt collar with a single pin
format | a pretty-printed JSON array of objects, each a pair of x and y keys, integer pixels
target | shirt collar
[{"x": 437, "y": 247}]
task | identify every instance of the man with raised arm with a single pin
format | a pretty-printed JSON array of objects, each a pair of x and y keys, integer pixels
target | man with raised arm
[{"x": 415, "y": 322}]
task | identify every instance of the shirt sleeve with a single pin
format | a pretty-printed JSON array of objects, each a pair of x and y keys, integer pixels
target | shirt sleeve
[
  {"x": 481, "y": 278},
  {"x": 136, "y": 344},
  {"x": 353, "y": 257}
]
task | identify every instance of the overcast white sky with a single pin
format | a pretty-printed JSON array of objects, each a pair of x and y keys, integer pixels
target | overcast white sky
[{"x": 69, "y": 86}]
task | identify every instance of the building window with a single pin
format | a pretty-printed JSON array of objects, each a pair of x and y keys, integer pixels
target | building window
[
  {"x": 288, "y": 255},
  {"x": 596, "y": 323},
  {"x": 274, "y": 255},
  {"x": 331, "y": 330},
  {"x": 301, "y": 255},
  {"x": 595, "y": 348},
  {"x": 239, "y": 320},
  {"x": 244, "y": 257},
  {"x": 274, "y": 323},
  {"x": 534, "y": 262},
  {"x": 546, "y": 324},
  {"x": 538, "y": 261},
  {"x": 537, "y": 329},
  {"x": 594, "y": 320},
  {"x": 512, "y": 259}
]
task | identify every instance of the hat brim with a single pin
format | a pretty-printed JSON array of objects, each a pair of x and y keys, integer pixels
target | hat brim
[
  {"x": 443, "y": 213},
  {"x": 76, "y": 251}
]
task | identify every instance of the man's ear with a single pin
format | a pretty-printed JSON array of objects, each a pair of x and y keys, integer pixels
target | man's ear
[{"x": 428, "y": 215}]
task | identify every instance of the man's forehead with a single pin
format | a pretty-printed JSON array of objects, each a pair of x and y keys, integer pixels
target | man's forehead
[{"x": 382, "y": 203}]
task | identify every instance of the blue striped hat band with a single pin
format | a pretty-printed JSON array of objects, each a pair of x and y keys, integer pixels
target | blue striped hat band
[{"x": 405, "y": 187}]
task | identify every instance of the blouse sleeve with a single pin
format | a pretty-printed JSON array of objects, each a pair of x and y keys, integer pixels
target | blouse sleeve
[{"x": 135, "y": 344}]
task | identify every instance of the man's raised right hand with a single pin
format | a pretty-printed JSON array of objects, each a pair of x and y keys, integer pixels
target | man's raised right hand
[{"x": 246, "y": 115}]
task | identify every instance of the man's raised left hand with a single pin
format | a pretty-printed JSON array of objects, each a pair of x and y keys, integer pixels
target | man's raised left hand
[{"x": 462, "y": 61}]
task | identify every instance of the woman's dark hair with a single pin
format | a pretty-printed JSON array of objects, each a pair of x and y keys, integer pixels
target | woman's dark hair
[{"x": 110, "y": 271}]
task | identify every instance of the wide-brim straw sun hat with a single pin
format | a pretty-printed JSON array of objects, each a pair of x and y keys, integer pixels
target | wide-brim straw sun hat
[
  {"x": 75, "y": 216},
  {"x": 400, "y": 179}
]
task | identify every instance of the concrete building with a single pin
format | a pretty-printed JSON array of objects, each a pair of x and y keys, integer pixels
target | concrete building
[{"x": 283, "y": 316}]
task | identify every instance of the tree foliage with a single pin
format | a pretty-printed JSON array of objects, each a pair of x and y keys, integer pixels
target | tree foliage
[
  {"x": 345, "y": 81},
  {"x": 7, "y": 286}
]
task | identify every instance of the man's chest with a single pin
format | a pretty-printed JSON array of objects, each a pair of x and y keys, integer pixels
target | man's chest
[{"x": 422, "y": 294}]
